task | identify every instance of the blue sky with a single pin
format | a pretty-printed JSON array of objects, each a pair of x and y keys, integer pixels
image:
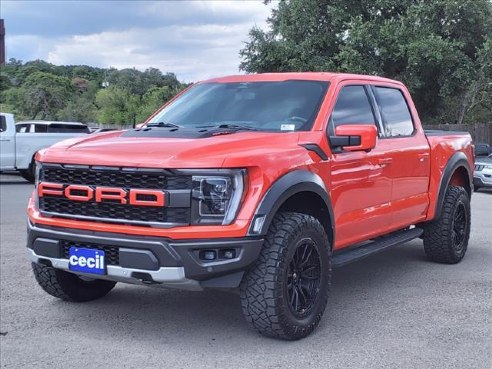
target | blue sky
[{"x": 194, "y": 39}]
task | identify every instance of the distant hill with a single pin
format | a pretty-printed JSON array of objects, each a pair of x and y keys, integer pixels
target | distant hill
[{"x": 40, "y": 90}]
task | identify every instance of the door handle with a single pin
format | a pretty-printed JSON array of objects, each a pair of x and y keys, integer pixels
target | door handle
[
  {"x": 385, "y": 161},
  {"x": 5, "y": 139},
  {"x": 423, "y": 157}
]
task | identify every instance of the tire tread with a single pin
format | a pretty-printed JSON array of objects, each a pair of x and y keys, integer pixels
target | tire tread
[
  {"x": 438, "y": 233},
  {"x": 262, "y": 286}
]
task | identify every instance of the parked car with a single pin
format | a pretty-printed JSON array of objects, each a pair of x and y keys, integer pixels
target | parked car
[
  {"x": 482, "y": 176},
  {"x": 21, "y": 141},
  {"x": 482, "y": 149},
  {"x": 260, "y": 183}
]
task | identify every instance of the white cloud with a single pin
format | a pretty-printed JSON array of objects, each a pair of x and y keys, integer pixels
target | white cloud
[{"x": 204, "y": 46}]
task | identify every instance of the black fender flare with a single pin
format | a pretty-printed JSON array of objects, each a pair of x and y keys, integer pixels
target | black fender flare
[
  {"x": 457, "y": 160},
  {"x": 282, "y": 189}
]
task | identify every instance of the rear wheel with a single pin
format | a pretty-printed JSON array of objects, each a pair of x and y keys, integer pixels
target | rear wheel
[
  {"x": 27, "y": 174},
  {"x": 284, "y": 295},
  {"x": 68, "y": 286},
  {"x": 446, "y": 239}
]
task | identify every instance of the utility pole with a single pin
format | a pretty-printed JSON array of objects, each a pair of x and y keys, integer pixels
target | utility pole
[{"x": 2, "y": 42}]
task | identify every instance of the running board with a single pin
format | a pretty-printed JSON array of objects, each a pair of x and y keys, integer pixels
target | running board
[{"x": 344, "y": 257}]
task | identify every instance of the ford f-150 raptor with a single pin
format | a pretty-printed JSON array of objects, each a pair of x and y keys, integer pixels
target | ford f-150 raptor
[{"x": 260, "y": 183}]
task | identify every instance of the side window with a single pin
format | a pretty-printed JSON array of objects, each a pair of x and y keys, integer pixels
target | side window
[
  {"x": 352, "y": 107},
  {"x": 22, "y": 128},
  {"x": 396, "y": 116},
  {"x": 68, "y": 128},
  {"x": 40, "y": 128},
  {"x": 3, "y": 123}
]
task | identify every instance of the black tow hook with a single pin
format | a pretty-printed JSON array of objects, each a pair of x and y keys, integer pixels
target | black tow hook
[{"x": 145, "y": 278}]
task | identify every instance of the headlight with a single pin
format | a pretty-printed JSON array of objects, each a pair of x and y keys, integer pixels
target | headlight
[{"x": 216, "y": 198}]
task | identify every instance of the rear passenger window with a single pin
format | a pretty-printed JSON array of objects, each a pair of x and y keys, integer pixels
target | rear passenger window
[
  {"x": 352, "y": 107},
  {"x": 396, "y": 116},
  {"x": 40, "y": 128},
  {"x": 68, "y": 128}
]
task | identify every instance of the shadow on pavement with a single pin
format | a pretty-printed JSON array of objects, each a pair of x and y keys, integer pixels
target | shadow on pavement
[{"x": 154, "y": 314}]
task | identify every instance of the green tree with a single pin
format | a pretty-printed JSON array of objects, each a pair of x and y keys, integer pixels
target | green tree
[
  {"x": 11, "y": 100},
  {"x": 154, "y": 99},
  {"x": 38, "y": 89},
  {"x": 78, "y": 110},
  {"x": 44, "y": 94},
  {"x": 438, "y": 48},
  {"x": 138, "y": 83},
  {"x": 117, "y": 106}
]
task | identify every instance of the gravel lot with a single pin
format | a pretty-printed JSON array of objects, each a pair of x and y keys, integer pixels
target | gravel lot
[{"x": 393, "y": 310}]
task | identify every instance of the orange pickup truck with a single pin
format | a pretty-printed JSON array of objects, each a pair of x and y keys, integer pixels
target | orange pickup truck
[{"x": 261, "y": 183}]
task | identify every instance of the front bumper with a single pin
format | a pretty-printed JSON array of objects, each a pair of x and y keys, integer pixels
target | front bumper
[
  {"x": 482, "y": 180},
  {"x": 149, "y": 260}
]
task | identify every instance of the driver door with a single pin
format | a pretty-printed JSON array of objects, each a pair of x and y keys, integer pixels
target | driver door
[{"x": 360, "y": 181}]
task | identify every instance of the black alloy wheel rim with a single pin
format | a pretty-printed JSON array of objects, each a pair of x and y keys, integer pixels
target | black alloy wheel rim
[
  {"x": 460, "y": 224},
  {"x": 303, "y": 278}
]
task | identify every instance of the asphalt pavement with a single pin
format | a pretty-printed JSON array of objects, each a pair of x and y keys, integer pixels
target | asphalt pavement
[{"x": 392, "y": 310}]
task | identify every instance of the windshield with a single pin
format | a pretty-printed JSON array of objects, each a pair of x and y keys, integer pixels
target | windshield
[{"x": 270, "y": 106}]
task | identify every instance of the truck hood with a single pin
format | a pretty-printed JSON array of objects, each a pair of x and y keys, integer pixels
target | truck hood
[{"x": 118, "y": 149}]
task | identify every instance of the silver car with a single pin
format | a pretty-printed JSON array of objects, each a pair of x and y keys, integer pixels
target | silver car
[{"x": 482, "y": 176}]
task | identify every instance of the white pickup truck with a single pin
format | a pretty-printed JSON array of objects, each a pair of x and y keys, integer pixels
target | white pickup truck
[{"x": 20, "y": 142}]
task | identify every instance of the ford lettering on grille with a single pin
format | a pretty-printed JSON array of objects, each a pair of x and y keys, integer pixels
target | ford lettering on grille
[
  {"x": 135, "y": 197},
  {"x": 145, "y": 197}
]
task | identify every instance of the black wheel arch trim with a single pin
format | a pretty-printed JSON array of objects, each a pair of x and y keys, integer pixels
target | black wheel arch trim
[
  {"x": 457, "y": 160},
  {"x": 282, "y": 189}
]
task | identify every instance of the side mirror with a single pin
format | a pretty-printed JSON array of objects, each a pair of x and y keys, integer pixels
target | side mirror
[{"x": 355, "y": 137}]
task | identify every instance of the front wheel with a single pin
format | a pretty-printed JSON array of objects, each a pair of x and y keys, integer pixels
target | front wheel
[
  {"x": 68, "y": 286},
  {"x": 446, "y": 238},
  {"x": 285, "y": 293}
]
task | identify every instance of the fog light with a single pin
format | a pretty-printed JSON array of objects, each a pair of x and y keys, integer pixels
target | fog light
[
  {"x": 208, "y": 255},
  {"x": 227, "y": 254}
]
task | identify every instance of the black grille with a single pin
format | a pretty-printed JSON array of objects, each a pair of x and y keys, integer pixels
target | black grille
[
  {"x": 115, "y": 178},
  {"x": 479, "y": 168},
  {"x": 114, "y": 211},
  {"x": 112, "y": 253}
]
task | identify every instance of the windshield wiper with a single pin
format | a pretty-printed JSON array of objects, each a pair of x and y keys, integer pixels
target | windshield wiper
[
  {"x": 163, "y": 124},
  {"x": 237, "y": 127}
]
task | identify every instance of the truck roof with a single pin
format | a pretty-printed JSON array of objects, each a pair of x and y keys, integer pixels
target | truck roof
[
  {"x": 49, "y": 122},
  {"x": 315, "y": 76}
]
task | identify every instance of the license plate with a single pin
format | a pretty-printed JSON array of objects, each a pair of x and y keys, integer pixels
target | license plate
[{"x": 91, "y": 261}]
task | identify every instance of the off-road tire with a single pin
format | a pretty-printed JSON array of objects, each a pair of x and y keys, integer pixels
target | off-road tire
[
  {"x": 265, "y": 290},
  {"x": 68, "y": 286},
  {"x": 446, "y": 238}
]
